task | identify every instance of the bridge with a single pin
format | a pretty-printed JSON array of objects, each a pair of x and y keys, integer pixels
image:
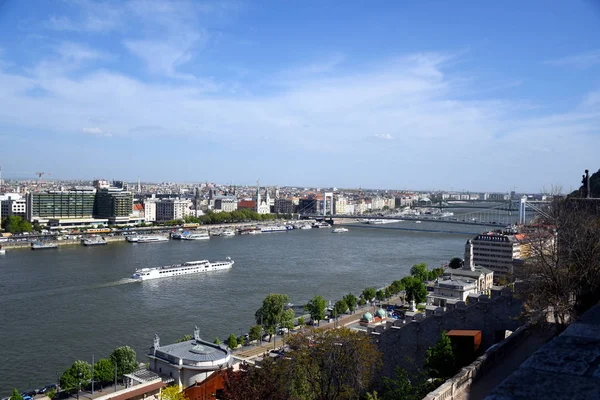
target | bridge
[{"x": 499, "y": 215}]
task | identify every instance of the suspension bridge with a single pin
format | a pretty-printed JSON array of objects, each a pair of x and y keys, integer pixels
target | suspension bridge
[{"x": 499, "y": 215}]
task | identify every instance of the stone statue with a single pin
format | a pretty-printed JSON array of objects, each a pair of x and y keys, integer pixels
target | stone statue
[
  {"x": 156, "y": 341},
  {"x": 196, "y": 334}
]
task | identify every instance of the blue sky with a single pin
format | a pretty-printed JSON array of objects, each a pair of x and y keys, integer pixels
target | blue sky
[{"x": 474, "y": 95}]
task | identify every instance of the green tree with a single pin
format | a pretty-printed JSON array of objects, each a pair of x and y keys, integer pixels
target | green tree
[
  {"x": 16, "y": 224},
  {"x": 333, "y": 363},
  {"x": 16, "y": 395},
  {"x": 440, "y": 360},
  {"x": 271, "y": 313},
  {"x": 184, "y": 338},
  {"x": 362, "y": 301},
  {"x": 387, "y": 292},
  {"x": 415, "y": 289},
  {"x": 217, "y": 340},
  {"x": 316, "y": 308},
  {"x": 104, "y": 370},
  {"x": 435, "y": 273},
  {"x": 287, "y": 319},
  {"x": 350, "y": 300},
  {"x": 172, "y": 393},
  {"x": 340, "y": 307},
  {"x": 77, "y": 376},
  {"x": 51, "y": 393},
  {"x": 455, "y": 263},
  {"x": 380, "y": 295},
  {"x": 301, "y": 321},
  {"x": 255, "y": 332},
  {"x": 406, "y": 386},
  {"x": 124, "y": 356},
  {"x": 420, "y": 272},
  {"x": 369, "y": 294},
  {"x": 396, "y": 287},
  {"x": 232, "y": 341}
]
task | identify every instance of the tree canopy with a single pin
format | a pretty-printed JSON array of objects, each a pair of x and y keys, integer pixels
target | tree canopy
[
  {"x": 184, "y": 338},
  {"x": 254, "y": 333},
  {"x": 172, "y": 393},
  {"x": 415, "y": 289},
  {"x": 78, "y": 375},
  {"x": 455, "y": 263},
  {"x": 350, "y": 300},
  {"x": 16, "y": 395},
  {"x": 232, "y": 341},
  {"x": 405, "y": 386},
  {"x": 104, "y": 370},
  {"x": 420, "y": 272},
  {"x": 124, "y": 356},
  {"x": 316, "y": 308},
  {"x": 340, "y": 307},
  {"x": 16, "y": 224},
  {"x": 273, "y": 312},
  {"x": 369, "y": 293},
  {"x": 440, "y": 360}
]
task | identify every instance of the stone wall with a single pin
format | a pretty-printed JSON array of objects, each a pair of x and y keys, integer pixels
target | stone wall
[{"x": 404, "y": 344}]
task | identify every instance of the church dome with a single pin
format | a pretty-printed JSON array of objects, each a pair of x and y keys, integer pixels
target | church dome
[
  {"x": 380, "y": 313},
  {"x": 367, "y": 317}
]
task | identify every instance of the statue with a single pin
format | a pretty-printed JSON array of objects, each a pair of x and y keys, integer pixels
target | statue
[
  {"x": 196, "y": 334},
  {"x": 156, "y": 341}
]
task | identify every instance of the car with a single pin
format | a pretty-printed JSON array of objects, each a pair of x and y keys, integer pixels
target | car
[
  {"x": 283, "y": 331},
  {"x": 27, "y": 398}
]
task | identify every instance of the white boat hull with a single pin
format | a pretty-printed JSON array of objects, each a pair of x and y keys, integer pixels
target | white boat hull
[{"x": 145, "y": 274}]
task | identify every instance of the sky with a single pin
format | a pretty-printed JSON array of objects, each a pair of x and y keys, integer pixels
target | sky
[{"x": 422, "y": 95}]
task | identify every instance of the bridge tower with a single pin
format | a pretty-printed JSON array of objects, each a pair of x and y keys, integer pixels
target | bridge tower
[
  {"x": 326, "y": 195},
  {"x": 522, "y": 212}
]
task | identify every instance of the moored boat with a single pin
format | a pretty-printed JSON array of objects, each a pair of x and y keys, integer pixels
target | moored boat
[
  {"x": 195, "y": 236},
  {"x": 151, "y": 239},
  {"x": 186, "y": 268},
  {"x": 43, "y": 245},
  {"x": 228, "y": 233},
  {"x": 273, "y": 228},
  {"x": 93, "y": 241},
  {"x": 339, "y": 230}
]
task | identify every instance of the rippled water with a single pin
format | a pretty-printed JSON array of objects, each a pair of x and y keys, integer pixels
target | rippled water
[{"x": 57, "y": 306}]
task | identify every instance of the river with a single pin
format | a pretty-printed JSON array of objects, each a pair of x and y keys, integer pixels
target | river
[{"x": 57, "y": 306}]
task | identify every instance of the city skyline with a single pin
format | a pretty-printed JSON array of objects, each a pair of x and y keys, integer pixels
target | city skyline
[{"x": 502, "y": 96}]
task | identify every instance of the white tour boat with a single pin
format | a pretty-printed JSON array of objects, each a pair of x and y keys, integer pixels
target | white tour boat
[
  {"x": 304, "y": 227},
  {"x": 273, "y": 228},
  {"x": 189, "y": 267},
  {"x": 340, "y": 230},
  {"x": 228, "y": 233},
  {"x": 151, "y": 239},
  {"x": 195, "y": 236},
  {"x": 321, "y": 225}
]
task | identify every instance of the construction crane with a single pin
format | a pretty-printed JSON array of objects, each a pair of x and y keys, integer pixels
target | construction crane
[{"x": 40, "y": 174}]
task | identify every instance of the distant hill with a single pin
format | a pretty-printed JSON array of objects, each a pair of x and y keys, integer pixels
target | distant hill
[{"x": 594, "y": 186}]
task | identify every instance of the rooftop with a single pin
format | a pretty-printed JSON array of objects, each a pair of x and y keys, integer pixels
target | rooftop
[{"x": 195, "y": 350}]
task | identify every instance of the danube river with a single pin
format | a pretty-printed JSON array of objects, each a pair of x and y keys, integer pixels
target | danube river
[{"x": 57, "y": 306}]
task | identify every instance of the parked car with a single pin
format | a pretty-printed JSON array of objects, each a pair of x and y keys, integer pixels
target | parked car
[
  {"x": 283, "y": 331},
  {"x": 27, "y": 398}
]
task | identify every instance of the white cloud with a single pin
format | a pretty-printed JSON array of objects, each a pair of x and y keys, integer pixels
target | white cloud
[
  {"x": 95, "y": 132},
  {"x": 383, "y": 136},
  {"x": 584, "y": 60}
]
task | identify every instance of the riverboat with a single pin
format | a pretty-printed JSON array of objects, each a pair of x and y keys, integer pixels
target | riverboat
[
  {"x": 195, "y": 236},
  {"x": 228, "y": 233},
  {"x": 94, "y": 241},
  {"x": 274, "y": 228},
  {"x": 189, "y": 267},
  {"x": 150, "y": 239},
  {"x": 339, "y": 230},
  {"x": 321, "y": 225},
  {"x": 43, "y": 245}
]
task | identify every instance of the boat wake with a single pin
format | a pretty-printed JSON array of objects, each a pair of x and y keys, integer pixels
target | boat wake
[{"x": 64, "y": 290}]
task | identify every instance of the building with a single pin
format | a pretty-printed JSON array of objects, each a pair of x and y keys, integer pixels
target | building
[
  {"x": 225, "y": 204},
  {"x": 451, "y": 289},
  {"x": 150, "y": 210},
  {"x": 484, "y": 277},
  {"x": 114, "y": 204},
  {"x": 189, "y": 362},
  {"x": 172, "y": 209},
  {"x": 495, "y": 251},
  {"x": 247, "y": 204},
  {"x": 284, "y": 206},
  {"x": 12, "y": 204},
  {"x": 77, "y": 203},
  {"x": 263, "y": 206},
  {"x": 341, "y": 204},
  {"x": 307, "y": 206}
]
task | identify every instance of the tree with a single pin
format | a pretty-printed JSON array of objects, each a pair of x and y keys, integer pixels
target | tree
[
  {"x": 440, "y": 360},
  {"x": 104, "y": 370},
  {"x": 217, "y": 340},
  {"x": 124, "y": 356},
  {"x": 316, "y": 308},
  {"x": 435, "y": 273},
  {"x": 16, "y": 395},
  {"x": 350, "y": 300},
  {"x": 380, "y": 295},
  {"x": 340, "y": 307},
  {"x": 387, "y": 293},
  {"x": 51, "y": 393},
  {"x": 287, "y": 319},
  {"x": 415, "y": 289},
  {"x": 369, "y": 294},
  {"x": 271, "y": 381},
  {"x": 406, "y": 386},
  {"x": 362, "y": 301},
  {"x": 255, "y": 332},
  {"x": 300, "y": 321},
  {"x": 78, "y": 375},
  {"x": 396, "y": 287},
  {"x": 16, "y": 224},
  {"x": 172, "y": 393},
  {"x": 271, "y": 313},
  {"x": 420, "y": 272},
  {"x": 455, "y": 263},
  {"x": 184, "y": 338},
  {"x": 333, "y": 363},
  {"x": 561, "y": 278},
  {"x": 232, "y": 341}
]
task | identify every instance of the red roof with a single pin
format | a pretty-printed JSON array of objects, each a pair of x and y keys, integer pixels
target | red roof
[
  {"x": 247, "y": 204},
  {"x": 460, "y": 332},
  {"x": 138, "y": 207}
]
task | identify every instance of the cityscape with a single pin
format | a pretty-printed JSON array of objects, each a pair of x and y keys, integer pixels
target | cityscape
[{"x": 224, "y": 199}]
